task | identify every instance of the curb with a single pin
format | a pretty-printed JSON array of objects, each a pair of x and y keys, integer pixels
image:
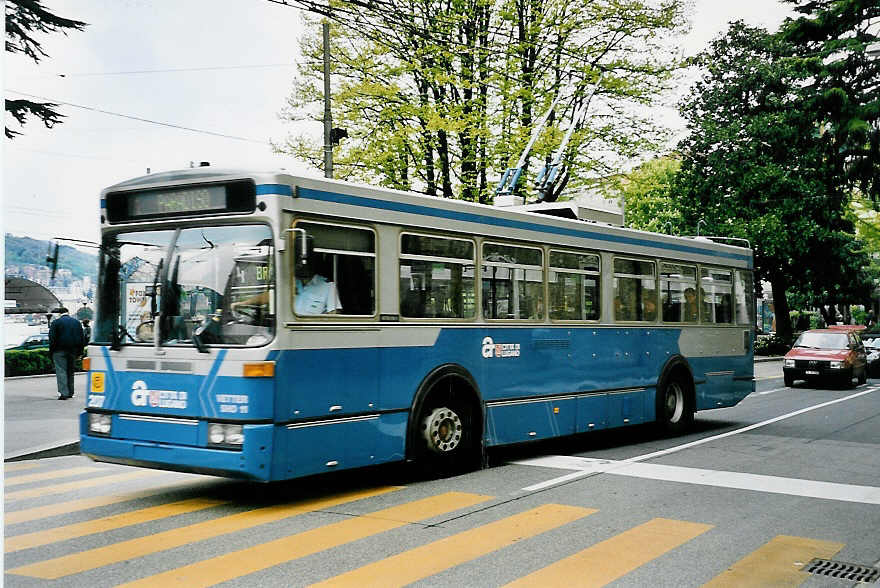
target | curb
[
  {"x": 67, "y": 447},
  {"x": 767, "y": 359},
  {"x": 52, "y": 375}
]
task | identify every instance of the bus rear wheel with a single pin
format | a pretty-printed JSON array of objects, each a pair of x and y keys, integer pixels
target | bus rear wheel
[
  {"x": 447, "y": 434},
  {"x": 675, "y": 409}
]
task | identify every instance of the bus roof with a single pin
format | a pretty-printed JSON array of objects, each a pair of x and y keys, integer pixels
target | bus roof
[{"x": 369, "y": 203}]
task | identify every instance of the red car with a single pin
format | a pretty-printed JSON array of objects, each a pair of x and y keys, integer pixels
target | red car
[{"x": 830, "y": 354}]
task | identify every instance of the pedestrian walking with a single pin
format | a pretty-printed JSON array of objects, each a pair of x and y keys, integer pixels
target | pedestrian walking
[
  {"x": 66, "y": 344},
  {"x": 87, "y": 331}
]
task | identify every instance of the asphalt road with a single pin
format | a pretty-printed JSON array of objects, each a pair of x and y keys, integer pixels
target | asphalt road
[{"x": 747, "y": 499}]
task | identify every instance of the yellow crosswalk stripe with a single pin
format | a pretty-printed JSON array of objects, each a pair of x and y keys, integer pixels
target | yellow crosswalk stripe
[
  {"x": 51, "y": 510},
  {"x": 777, "y": 563},
  {"x": 433, "y": 558},
  {"x": 615, "y": 557},
  {"x": 144, "y": 515},
  {"x": 66, "y": 473},
  {"x": 19, "y": 467},
  {"x": 78, "y": 485},
  {"x": 246, "y": 561},
  {"x": 75, "y": 563}
]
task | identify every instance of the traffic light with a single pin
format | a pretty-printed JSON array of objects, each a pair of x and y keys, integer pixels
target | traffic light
[{"x": 337, "y": 134}]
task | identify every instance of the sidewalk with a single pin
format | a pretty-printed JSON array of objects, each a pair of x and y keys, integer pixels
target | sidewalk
[{"x": 38, "y": 425}]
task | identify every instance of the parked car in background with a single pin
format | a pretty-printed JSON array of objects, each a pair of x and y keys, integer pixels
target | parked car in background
[
  {"x": 33, "y": 342},
  {"x": 836, "y": 355},
  {"x": 872, "y": 349}
]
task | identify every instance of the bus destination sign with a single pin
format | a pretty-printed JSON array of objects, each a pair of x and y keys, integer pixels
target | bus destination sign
[
  {"x": 207, "y": 199},
  {"x": 192, "y": 200}
]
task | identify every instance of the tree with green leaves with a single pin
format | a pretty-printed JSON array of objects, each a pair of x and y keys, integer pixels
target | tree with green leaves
[
  {"x": 755, "y": 167},
  {"x": 441, "y": 97},
  {"x": 24, "y": 18},
  {"x": 839, "y": 43},
  {"x": 646, "y": 195}
]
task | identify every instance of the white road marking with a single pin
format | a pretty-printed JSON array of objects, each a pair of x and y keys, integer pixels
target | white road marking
[
  {"x": 720, "y": 479},
  {"x": 581, "y": 473},
  {"x": 772, "y": 391}
]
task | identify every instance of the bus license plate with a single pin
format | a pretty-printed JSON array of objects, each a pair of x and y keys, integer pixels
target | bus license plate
[{"x": 812, "y": 373}]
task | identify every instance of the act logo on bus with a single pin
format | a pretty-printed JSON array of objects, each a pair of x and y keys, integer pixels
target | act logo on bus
[
  {"x": 492, "y": 349},
  {"x": 141, "y": 395}
]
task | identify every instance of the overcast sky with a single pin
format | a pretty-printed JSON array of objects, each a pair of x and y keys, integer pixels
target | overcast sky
[{"x": 236, "y": 58}]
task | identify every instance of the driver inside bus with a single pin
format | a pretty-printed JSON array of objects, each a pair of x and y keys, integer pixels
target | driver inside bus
[{"x": 315, "y": 294}]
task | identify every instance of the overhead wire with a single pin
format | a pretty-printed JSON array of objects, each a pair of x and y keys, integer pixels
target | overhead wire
[
  {"x": 140, "y": 119},
  {"x": 165, "y": 70}
]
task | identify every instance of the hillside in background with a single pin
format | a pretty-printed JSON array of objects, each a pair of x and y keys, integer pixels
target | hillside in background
[{"x": 24, "y": 250}]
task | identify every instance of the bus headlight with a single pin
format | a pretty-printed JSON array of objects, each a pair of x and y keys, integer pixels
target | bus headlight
[
  {"x": 99, "y": 423},
  {"x": 788, "y": 363},
  {"x": 225, "y": 434},
  {"x": 836, "y": 365}
]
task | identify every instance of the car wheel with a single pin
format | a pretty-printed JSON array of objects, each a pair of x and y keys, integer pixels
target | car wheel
[{"x": 846, "y": 380}]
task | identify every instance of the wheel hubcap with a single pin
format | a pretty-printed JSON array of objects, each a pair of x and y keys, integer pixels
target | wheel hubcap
[
  {"x": 442, "y": 430},
  {"x": 674, "y": 403}
]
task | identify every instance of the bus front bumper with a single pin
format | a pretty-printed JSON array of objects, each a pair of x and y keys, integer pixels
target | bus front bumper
[{"x": 252, "y": 462}]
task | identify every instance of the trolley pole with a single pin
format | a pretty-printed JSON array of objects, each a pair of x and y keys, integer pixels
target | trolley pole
[{"x": 328, "y": 123}]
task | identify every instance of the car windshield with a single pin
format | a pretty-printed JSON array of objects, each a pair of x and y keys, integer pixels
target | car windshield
[
  {"x": 191, "y": 286},
  {"x": 822, "y": 340}
]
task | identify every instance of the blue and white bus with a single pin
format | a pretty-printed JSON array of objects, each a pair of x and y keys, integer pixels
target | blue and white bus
[{"x": 267, "y": 326}]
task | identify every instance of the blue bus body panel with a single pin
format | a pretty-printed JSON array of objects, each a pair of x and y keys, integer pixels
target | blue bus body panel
[
  {"x": 186, "y": 395},
  {"x": 342, "y": 408}
]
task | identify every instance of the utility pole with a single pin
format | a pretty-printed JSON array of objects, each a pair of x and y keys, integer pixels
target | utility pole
[{"x": 328, "y": 122}]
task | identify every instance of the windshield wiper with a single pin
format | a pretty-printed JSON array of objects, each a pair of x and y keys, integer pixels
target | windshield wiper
[{"x": 118, "y": 337}]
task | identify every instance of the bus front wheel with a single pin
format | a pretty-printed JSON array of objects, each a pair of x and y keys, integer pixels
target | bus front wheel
[{"x": 675, "y": 409}]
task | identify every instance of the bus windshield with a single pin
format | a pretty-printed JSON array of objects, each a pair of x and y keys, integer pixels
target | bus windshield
[{"x": 190, "y": 286}]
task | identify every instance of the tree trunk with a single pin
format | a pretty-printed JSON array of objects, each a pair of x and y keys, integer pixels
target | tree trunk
[{"x": 780, "y": 307}]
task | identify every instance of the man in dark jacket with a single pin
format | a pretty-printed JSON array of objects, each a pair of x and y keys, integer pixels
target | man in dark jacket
[{"x": 66, "y": 343}]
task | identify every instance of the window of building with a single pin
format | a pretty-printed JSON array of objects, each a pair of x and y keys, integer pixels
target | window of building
[
  {"x": 716, "y": 295},
  {"x": 512, "y": 282},
  {"x": 436, "y": 277},
  {"x": 678, "y": 293},
  {"x": 635, "y": 290},
  {"x": 574, "y": 286},
  {"x": 335, "y": 274}
]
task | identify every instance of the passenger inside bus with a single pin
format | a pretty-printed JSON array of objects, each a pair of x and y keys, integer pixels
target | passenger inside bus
[{"x": 691, "y": 310}]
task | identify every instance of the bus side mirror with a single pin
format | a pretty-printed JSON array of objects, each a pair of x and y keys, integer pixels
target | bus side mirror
[{"x": 304, "y": 244}]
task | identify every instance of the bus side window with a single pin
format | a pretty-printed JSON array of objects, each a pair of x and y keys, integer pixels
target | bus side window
[
  {"x": 716, "y": 293},
  {"x": 574, "y": 286},
  {"x": 678, "y": 284},
  {"x": 635, "y": 290},
  {"x": 338, "y": 275},
  {"x": 513, "y": 282},
  {"x": 436, "y": 277}
]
